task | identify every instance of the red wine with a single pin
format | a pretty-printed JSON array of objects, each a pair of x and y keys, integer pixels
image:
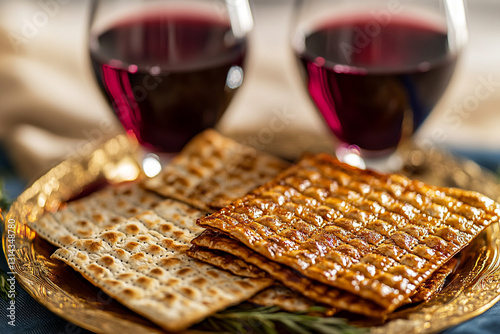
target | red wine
[
  {"x": 365, "y": 80},
  {"x": 168, "y": 76}
]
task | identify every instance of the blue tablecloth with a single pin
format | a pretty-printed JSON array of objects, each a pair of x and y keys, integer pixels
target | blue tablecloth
[{"x": 32, "y": 318}]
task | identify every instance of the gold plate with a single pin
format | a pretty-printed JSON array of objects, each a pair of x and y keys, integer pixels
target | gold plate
[{"x": 472, "y": 289}]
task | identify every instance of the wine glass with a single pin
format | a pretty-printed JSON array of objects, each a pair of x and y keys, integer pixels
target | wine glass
[
  {"x": 169, "y": 68},
  {"x": 376, "y": 68}
]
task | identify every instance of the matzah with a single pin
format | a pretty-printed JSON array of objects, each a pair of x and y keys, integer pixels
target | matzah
[
  {"x": 320, "y": 293},
  {"x": 143, "y": 264},
  {"x": 225, "y": 261},
  {"x": 212, "y": 170},
  {"x": 276, "y": 295},
  {"x": 435, "y": 283},
  {"x": 90, "y": 215},
  {"x": 211, "y": 243},
  {"x": 375, "y": 236},
  {"x": 284, "y": 298}
]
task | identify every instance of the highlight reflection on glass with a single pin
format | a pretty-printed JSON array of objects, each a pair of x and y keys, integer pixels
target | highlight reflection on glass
[{"x": 151, "y": 165}]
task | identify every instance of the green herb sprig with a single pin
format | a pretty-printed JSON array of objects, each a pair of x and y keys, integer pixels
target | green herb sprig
[{"x": 273, "y": 320}]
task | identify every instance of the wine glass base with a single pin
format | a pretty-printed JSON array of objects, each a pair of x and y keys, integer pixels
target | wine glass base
[
  {"x": 385, "y": 162},
  {"x": 153, "y": 162}
]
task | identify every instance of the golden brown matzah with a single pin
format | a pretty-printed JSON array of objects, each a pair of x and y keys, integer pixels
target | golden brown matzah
[
  {"x": 376, "y": 236},
  {"x": 225, "y": 261},
  {"x": 286, "y": 299},
  {"x": 213, "y": 243},
  {"x": 435, "y": 283},
  {"x": 143, "y": 264},
  {"x": 320, "y": 293},
  {"x": 213, "y": 170}
]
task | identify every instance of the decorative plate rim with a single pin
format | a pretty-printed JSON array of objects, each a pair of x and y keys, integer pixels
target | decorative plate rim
[{"x": 473, "y": 288}]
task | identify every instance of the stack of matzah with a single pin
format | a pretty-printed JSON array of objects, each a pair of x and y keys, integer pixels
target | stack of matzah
[
  {"x": 143, "y": 264},
  {"x": 317, "y": 223},
  {"x": 348, "y": 238},
  {"x": 132, "y": 243}
]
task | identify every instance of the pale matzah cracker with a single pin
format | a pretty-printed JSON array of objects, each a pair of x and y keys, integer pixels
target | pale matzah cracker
[
  {"x": 143, "y": 264},
  {"x": 377, "y": 236},
  {"x": 212, "y": 171},
  {"x": 88, "y": 216},
  {"x": 183, "y": 216}
]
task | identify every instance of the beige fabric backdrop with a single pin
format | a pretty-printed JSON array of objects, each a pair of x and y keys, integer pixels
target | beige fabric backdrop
[{"x": 50, "y": 107}]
